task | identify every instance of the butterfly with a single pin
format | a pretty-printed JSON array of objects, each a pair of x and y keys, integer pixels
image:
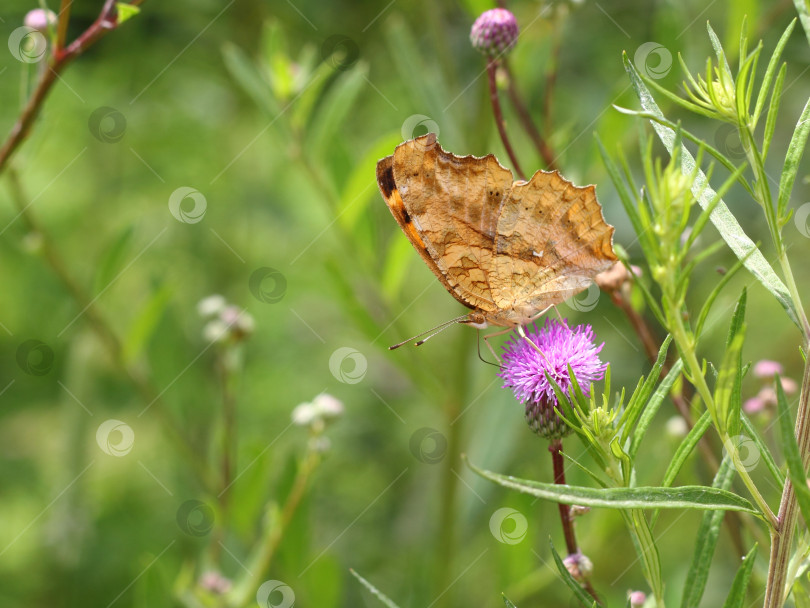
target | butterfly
[{"x": 508, "y": 250}]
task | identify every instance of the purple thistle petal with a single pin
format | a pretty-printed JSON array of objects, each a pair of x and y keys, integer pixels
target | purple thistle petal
[{"x": 524, "y": 368}]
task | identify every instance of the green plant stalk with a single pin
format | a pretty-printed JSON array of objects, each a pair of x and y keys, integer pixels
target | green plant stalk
[
  {"x": 686, "y": 347},
  {"x": 782, "y": 535}
]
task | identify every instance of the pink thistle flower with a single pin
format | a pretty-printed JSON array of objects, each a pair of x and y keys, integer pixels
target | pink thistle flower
[{"x": 524, "y": 371}]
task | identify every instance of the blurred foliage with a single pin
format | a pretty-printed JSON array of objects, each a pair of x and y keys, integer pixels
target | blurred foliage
[{"x": 284, "y": 157}]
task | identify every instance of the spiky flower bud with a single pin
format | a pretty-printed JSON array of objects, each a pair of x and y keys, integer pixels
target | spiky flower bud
[{"x": 494, "y": 32}]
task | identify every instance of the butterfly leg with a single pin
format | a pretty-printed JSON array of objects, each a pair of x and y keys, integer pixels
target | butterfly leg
[
  {"x": 522, "y": 332},
  {"x": 489, "y": 346}
]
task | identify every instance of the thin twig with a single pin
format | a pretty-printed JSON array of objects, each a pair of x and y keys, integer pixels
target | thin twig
[{"x": 59, "y": 60}]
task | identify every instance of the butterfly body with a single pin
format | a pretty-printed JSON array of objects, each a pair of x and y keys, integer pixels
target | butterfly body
[{"x": 506, "y": 249}]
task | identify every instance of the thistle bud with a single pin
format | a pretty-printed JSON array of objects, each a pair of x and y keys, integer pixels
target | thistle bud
[{"x": 494, "y": 32}]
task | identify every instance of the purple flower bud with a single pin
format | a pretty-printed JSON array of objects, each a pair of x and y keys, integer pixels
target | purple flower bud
[
  {"x": 637, "y": 599},
  {"x": 524, "y": 371},
  {"x": 494, "y": 32},
  {"x": 767, "y": 369},
  {"x": 39, "y": 19},
  {"x": 579, "y": 566}
]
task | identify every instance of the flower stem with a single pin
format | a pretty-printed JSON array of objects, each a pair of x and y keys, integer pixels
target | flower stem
[
  {"x": 565, "y": 511},
  {"x": 492, "y": 65},
  {"x": 558, "y": 464},
  {"x": 539, "y": 142}
]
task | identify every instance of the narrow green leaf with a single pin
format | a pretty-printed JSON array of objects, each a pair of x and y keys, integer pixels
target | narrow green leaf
[
  {"x": 507, "y": 602},
  {"x": 764, "y": 451},
  {"x": 330, "y": 117},
  {"x": 638, "y": 400},
  {"x": 770, "y": 70},
  {"x": 361, "y": 188},
  {"x": 707, "y": 535},
  {"x": 682, "y": 453},
  {"x": 248, "y": 78},
  {"x": 718, "y": 51},
  {"x": 793, "y": 457},
  {"x": 646, "y": 548},
  {"x": 145, "y": 322},
  {"x": 737, "y": 317},
  {"x": 652, "y": 408},
  {"x": 792, "y": 158},
  {"x": 704, "y": 312},
  {"x": 725, "y": 222},
  {"x": 736, "y": 596},
  {"x": 773, "y": 110},
  {"x": 684, "y": 497},
  {"x": 804, "y": 16},
  {"x": 397, "y": 260},
  {"x": 384, "y": 600},
  {"x": 113, "y": 259},
  {"x": 722, "y": 158},
  {"x": 585, "y": 599},
  {"x": 627, "y": 199}
]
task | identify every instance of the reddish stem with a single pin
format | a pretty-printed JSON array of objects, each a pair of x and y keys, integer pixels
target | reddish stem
[
  {"x": 565, "y": 511},
  {"x": 61, "y": 57},
  {"x": 492, "y": 65}
]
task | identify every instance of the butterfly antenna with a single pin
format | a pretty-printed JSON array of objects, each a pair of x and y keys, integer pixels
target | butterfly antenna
[{"x": 432, "y": 331}]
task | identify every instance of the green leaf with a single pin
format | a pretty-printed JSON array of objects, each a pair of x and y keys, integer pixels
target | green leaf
[
  {"x": 126, "y": 11},
  {"x": 628, "y": 200},
  {"x": 684, "y": 449},
  {"x": 764, "y": 451},
  {"x": 397, "y": 260},
  {"x": 770, "y": 71},
  {"x": 736, "y": 596},
  {"x": 638, "y": 400},
  {"x": 704, "y": 312},
  {"x": 361, "y": 187},
  {"x": 332, "y": 112},
  {"x": 507, "y": 602},
  {"x": 707, "y": 534},
  {"x": 684, "y": 497},
  {"x": 773, "y": 110},
  {"x": 804, "y": 16},
  {"x": 725, "y": 222},
  {"x": 652, "y": 408},
  {"x": 793, "y": 457},
  {"x": 585, "y": 599},
  {"x": 384, "y": 600},
  {"x": 145, "y": 322},
  {"x": 113, "y": 259},
  {"x": 248, "y": 78},
  {"x": 792, "y": 158}
]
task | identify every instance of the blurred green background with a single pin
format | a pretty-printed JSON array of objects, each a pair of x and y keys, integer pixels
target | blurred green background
[{"x": 287, "y": 173}]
